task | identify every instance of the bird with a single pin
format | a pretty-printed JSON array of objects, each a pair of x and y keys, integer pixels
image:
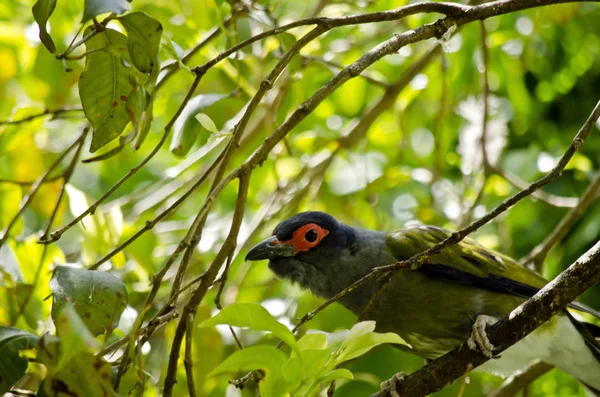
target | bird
[{"x": 446, "y": 301}]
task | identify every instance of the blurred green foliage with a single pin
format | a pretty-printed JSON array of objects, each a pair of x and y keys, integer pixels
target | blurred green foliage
[{"x": 420, "y": 160}]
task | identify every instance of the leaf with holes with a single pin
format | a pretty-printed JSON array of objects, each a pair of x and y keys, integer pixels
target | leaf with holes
[
  {"x": 99, "y": 298},
  {"x": 105, "y": 85},
  {"x": 12, "y": 365}
]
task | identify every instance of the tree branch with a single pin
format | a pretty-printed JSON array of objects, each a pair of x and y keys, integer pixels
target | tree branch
[{"x": 550, "y": 300}]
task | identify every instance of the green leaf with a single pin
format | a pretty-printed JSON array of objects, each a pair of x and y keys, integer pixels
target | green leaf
[
  {"x": 75, "y": 337},
  {"x": 139, "y": 107},
  {"x": 315, "y": 362},
  {"x": 175, "y": 52},
  {"x": 105, "y": 85},
  {"x": 187, "y": 128},
  {"x": 340, "y": 373},
  {"x": 266, "y": 358},
  {"x": 253, "y": 316},
  {"x": 12, "y": 365},
  {"x": 99, "y": 298},
  {"x": 207, "y": 122},
  {"x": 42, "y": 10},
  {"x": 313, "y": 341},
  {"x": 361, "y": 339},
  {"x": 143, "y": 40},
  {"x": 92, "y": 8}
]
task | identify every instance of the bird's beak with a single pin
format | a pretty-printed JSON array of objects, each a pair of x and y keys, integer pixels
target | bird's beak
[{"x": 268, "y": 249}]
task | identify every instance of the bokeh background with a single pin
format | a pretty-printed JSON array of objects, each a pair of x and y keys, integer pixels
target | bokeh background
[{"x": 415, "y": 157}]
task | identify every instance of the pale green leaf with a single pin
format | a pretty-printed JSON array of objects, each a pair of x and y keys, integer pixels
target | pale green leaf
[
  {"x": 253, "y": 316},
  {"x": 207, "y": 122},
  {"x": 361, "y": 339},
  {"x": 312, "y": 341},
  {"x": 340, "y": 373}
]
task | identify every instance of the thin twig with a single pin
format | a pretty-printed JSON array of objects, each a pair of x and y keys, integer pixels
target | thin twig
[
  {"x": 222, "y": 281},
  {"x": 98, "y": 28},
  {"x": 54, "y": 113},
  {"x": 29, "y": 183},
  {"x": 36, "y": 186},
  {"x": 456, "y": 237},
  {"x": 486, "y": 92},
  {"x": 336, "y": 67},
  {"x": 538, "y": 254},
  {"x": 188, "y": 361},
  {"x": 468, "y": 214},
  {"x": 329, "y": 23},
  {"x": 545, "y": 197},
  {"x": 147, "y": 330},
  {"x": 172, "y": 67},
  {"x": 149, "y": 225},
  {"x": 67, "y": 176},
  {"x": 211, "y": 273}
]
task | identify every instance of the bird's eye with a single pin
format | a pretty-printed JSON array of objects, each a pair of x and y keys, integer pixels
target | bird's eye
[{"x": 311, "y": 236}]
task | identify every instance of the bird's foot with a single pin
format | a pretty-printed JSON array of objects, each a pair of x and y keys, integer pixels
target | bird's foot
[
  {"x": 478, "y": 339},
  {"x": 390, "y": 384}
]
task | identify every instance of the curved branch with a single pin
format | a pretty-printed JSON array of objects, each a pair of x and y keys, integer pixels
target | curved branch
[{"x": 515, "y": 383}]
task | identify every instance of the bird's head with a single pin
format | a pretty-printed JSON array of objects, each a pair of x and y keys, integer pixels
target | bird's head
[{"x": 306, "y": 248}]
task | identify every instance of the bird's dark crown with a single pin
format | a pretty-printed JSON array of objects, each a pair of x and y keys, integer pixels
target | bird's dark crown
[{"x": 285, "y": 230}]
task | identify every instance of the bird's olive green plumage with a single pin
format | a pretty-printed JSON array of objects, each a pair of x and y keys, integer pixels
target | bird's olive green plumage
[
  {"x": 434, "y": 307},
  {"x": 467, "y": 256}
]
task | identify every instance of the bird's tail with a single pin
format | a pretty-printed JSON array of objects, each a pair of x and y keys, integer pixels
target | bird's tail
[
  {"x": 590, "y": 390},
  {"x": 591, "y": 335}
]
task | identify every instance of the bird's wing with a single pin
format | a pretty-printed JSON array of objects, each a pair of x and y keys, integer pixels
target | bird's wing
[{"x": 469, "y": 262}]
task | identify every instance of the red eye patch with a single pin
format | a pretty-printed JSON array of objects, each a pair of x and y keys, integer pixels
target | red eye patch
[{"x": 306, "y": 237}]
